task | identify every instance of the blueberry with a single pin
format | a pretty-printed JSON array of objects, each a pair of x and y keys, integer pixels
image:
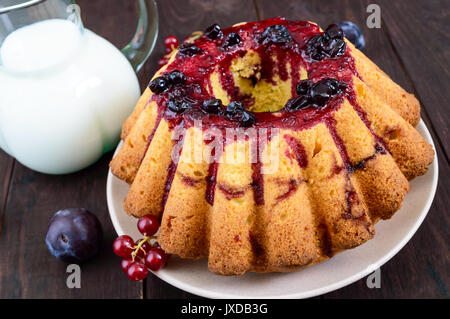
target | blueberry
[
  {"x": 333, "y": 31},
  {"x": 212, "y": 106},
  {"x": 315, "y": 94},
  {"x": 353, "y": 33},
  {"x": 303, "y": 87},
  {"x": 335, "y": 47},
  {"x": 74, "y": 235},
  {"x": 335, "y": 86},
  {"x": 320, "y": 93},
  {"x": 179, "y": 105},
  {"x": 275, "y": 34},
  {"x": 159, "y": 85},
  {"x": 234, "y": 110},
  {"x": 232, "y": 39},
  {"x": 247, "y": 119},
  {"x": 314, "y": 47},
  {"x": 213, "y": 32},
  {"x": 298, "y": 103},
  {"x": 176, "y": 77},
  {"x": 189, "y": 49}
]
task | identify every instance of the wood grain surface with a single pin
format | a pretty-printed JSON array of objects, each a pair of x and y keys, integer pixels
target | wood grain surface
[{"x": 412, "y": 47}]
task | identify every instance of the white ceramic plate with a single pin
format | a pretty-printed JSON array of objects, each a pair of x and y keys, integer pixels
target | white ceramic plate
[{"x": 193, "y": 275}]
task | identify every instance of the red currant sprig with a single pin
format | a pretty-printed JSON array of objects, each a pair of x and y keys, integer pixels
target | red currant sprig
[
  {"x": 171, "y": 43},
  {"x": 143, "y": 254}
]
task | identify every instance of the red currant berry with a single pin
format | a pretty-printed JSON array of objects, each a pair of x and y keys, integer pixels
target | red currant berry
[
  {"x": 123, "y": 246},
  {"x": 125, "y": 264},
  {"x": 156, "y": 259},
  {"x": 171, "y": 42},
  {"x": 137, "y": 271},
  {"x": 156, "y": 245},
  {"x": 143, "y": 250},
  {"x": 148, "y": 225}
]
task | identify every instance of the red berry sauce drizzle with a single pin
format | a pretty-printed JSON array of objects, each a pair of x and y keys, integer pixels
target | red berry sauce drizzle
[{"x": 295, "y": 44}]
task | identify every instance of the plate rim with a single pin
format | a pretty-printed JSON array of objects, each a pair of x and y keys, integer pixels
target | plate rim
[{"x": 202, "y": 292}]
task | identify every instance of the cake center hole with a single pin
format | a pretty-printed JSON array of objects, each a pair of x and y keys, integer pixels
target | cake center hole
[{"x": 259, "y": 81}]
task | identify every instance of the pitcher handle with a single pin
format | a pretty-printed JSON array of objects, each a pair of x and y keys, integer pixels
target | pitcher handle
[{"x": 143, "y": 42}]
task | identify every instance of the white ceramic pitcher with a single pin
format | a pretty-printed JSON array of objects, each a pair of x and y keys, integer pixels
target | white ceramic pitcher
[{"x": 65, "y": 91}]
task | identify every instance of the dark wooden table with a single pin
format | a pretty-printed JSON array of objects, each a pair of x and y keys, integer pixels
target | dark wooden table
[{"x": 412, "y": 46}]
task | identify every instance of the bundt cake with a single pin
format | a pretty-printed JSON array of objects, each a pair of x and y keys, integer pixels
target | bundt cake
[{"x": 269, "y": 146}]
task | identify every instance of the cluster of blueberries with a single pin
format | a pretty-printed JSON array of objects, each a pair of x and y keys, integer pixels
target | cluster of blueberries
[
  {"x": 277, "y": 34},
  {"x": 178, "y": 102},
  {"x": 330, "y": 44},
  {"x": 310, "y": 94},
  {"x": 314, "y": 94},
  {"x": 164, "y": 83},
  {"x": 213, "y": 32},
  {"x": 234, "y": 111}
]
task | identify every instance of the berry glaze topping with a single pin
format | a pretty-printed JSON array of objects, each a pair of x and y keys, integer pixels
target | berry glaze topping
[
  {"x": 286, "y": 40},
  {"x": 183, "y": 92}
]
